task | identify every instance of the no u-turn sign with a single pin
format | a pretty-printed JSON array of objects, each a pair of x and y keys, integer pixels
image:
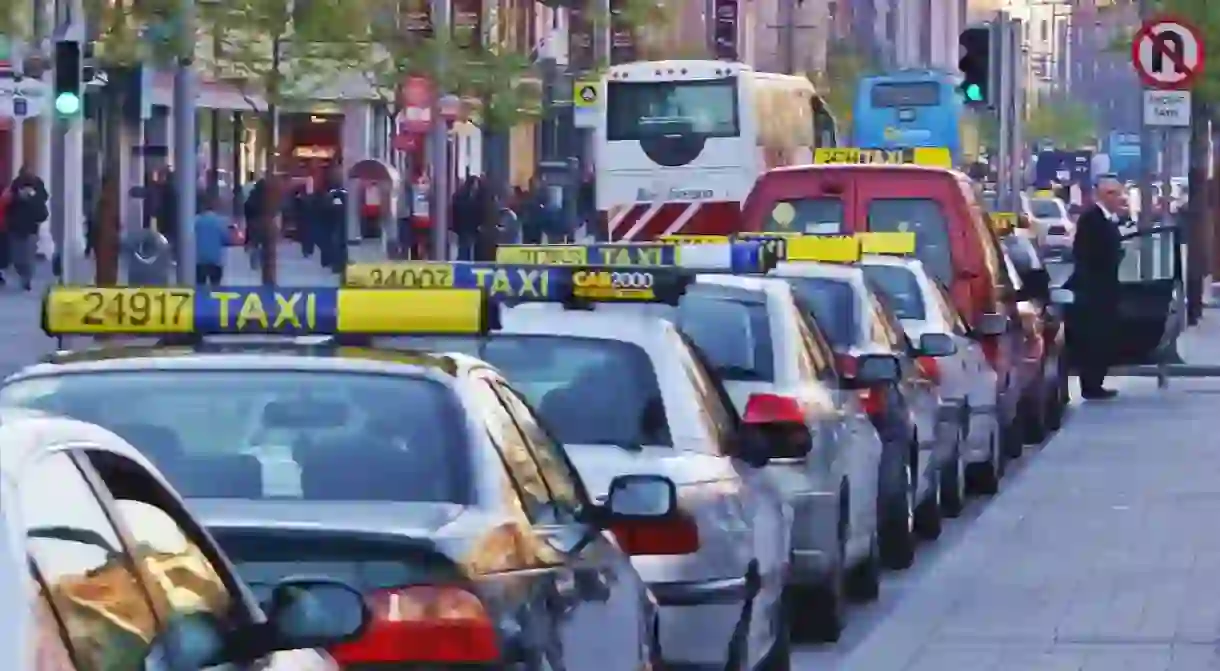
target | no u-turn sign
[{"x": 1168, "y": 53}]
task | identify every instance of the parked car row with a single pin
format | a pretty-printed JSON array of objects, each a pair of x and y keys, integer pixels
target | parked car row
[{"x": 688, "y": 456}]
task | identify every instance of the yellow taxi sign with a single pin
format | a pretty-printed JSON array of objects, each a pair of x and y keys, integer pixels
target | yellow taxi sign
[
  {"x": 586, "y": 93},
  {"x": 894, "y": 243},
  {"x": 1003, "y": 223},
  {"x": 1044, "y": 193},
  {"x": 263, "y": 310},
  {"x": 929, "y": 157},
  {"x": 691, "y": 239},
  {"x": 824, "y": 248}
]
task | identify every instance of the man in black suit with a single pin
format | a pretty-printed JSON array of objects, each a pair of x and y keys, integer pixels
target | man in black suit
[{"x": 1097, "y": 251}]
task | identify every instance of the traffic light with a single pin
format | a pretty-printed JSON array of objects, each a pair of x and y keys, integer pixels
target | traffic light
[
  {"x": 976, "y": 65},
  {"x": 68, "y": 88}
]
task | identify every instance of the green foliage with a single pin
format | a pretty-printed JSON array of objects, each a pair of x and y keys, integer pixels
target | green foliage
[
  {"x": 845, "y": 66},
  {"x": 120, "y": 39},
  {"x": 1064, "y": 123},
  {"x": 280, "y": 49},
  {"x": 1205, "y": 15}
]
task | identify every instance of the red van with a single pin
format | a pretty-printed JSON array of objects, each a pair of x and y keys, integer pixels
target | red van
[{"x": 952, "y": 236}]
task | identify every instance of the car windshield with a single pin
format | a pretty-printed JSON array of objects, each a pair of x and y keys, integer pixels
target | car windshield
[
  {"x": 810, "y": 216},
  {"x": 834, "y": 307},
  {"x": 247, "y": 434},
  {"x": 735, "y": 335},
  {"x": 899, "y": 288},
  {"x": 924, "y": 218},
  {"x": 1045, "y": 208},
  {"x": 589, "y": 391},
  {"x": 1023, "y": 253}
]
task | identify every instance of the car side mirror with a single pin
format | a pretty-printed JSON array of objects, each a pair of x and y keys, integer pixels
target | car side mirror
[
  {"x": 1062, "y": 296},
  {"x": 991, "y": 324},
  {"x": 936, "y": 345},
  {"x": 773, "y": 427},
  {"x": 302, "y": 612},
  {"x": 876, "y": 369},
  {"x": 640, "y": 497}
]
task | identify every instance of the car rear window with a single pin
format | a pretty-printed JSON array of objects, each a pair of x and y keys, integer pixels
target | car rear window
[
  {"x": 1045, "y": 208},
  {"x": 589, "y": 391},
  {"x": 900, "y": 290},
  {"x": 734, "y": 335},
  {"x": 924, "y": 218},
  {"x": 813, "y": 216},
  {"x": 270, "y": 434},
  {"x": 834, "y": 307}
]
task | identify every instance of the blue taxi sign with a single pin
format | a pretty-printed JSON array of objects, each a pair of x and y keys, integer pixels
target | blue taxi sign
[
  {"x": 263, "y": 310},
  {"x": 516, "y": 283}
]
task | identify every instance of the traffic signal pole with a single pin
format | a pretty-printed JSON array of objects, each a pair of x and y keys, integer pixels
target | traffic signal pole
[{"x": 67, "y": 224}]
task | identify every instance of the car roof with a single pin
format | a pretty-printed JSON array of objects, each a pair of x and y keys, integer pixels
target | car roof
[
  {"x": 618, "y": 322},
  {"x": 25, "y": 433},
  {"x": 876, "y": 168},
  {"x": 836, "y": 271},
  {"x": 745, "y": 282},
  {"x": 291, "y": 356},
  {"x": 891, "y": 260}
]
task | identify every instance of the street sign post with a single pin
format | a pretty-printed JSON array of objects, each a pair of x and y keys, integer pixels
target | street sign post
[
  {"x": 1168, "y": 54},
  {"x": 586, "y": 101}
]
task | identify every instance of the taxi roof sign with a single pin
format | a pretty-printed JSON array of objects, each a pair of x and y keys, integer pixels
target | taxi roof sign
[
  {"x": 1003, "y": 223},
  {"x": 825, "y": 248},
  {"x": 162, "y": 311},
  {"x": 521, "y": 283},
  {"x": 719, "y": 256},
  {"x": 897, "y": 243},
  {"x": 689, "y": 239},
  {"x": 929, "y": 157}
]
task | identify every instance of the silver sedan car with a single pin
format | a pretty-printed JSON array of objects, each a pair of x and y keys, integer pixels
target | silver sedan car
[{"x": 964, "y": 377}]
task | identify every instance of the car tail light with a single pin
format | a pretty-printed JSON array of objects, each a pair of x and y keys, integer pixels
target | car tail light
[
  {"x": 991, "y": 350},
  {"x": 674, "y": 535},
  {"x": 872, "y": 401},
  {"x": 847, "y": 365},
  {"x": 928, "y": 368},
  {"x": 773, "y": 409},
  {"x": 424, "y": 624}
]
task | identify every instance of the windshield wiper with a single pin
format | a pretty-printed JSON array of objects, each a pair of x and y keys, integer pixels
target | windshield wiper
[{"x": 738, "y": 373}]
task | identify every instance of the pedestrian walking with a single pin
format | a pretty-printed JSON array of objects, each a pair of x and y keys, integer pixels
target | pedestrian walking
[
  {"x": 534, "y": 214},
  {"x": 302, "y": 224},
  {"x": 253, "y": 209},
  {"x": 5, "y": 199},
  {"x": 467, "y": 215},
  {"x": 1097, "y": 252},
  {"x": 27, "y": 210},
  {"x": 331, "y": 210},
  {"x": 167, "y": 211},
  {"x": 212, "y": 236}
]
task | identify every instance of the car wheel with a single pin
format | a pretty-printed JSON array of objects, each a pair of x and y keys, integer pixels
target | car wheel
[
  {"x": 953, "y": 483},
  {"x": 1033, "y": 417},
  {"x": 984, "y": 479},
  {"x": 780, "y": 656},
  {"x": 864, "y": 579},
  {"x": 897, "y": 517},
  {"x": 818, "y": 613},
  {"x": 927, "y": 520}
]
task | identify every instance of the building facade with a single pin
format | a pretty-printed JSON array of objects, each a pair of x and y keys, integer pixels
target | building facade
[{"x": 1099, "y": 69}]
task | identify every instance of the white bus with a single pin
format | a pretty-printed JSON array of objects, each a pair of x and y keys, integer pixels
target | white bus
[{"x": 680, "y": 143}]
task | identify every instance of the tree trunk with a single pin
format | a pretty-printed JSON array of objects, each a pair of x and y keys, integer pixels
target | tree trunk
[
  {"x": 1199, "y": 221},
  {"x": 107, "y": 225},
  {"x": 271, "y": 200}
]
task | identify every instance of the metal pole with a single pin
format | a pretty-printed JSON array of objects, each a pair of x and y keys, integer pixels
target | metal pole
[
  {"x": 439, "y": 139},
  {"x": 1001, "y": 35},
  {"x": 787, "y": 22},
  {"x": 185, "y": 160},
  {"x": 59, "y": 206},
  {"x": 1147, "y": 167}
]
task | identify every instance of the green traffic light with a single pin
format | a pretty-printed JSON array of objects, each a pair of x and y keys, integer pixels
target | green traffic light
[
  {"x": 974, "y": 93},
  {"x": 67, "y": 103}
]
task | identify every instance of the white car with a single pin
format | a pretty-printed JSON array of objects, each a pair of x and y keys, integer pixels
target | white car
[
  {"x": 965, "y": 379},
  {"x": 80, "y": 509},
  {"x": 1051, "y": 223},
  {"x": 626, "y": 393}
]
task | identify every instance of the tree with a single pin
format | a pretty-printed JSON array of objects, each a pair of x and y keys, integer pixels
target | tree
[
  {"x": 1064, "y": 123},
  {"x": 846, "y": 64},
  {"x": 279, "y": 50}
]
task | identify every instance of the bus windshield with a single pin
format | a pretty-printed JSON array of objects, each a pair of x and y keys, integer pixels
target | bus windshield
[{"x": 645, "y": 110}]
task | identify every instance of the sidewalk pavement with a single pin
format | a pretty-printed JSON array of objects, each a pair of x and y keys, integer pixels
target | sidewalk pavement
[
  {"x": 1100, "y": 555},
  {"x": 22, "y": 341}
]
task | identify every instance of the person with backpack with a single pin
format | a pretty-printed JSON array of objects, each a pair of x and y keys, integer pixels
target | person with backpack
[{"x": 27, "y": 210}]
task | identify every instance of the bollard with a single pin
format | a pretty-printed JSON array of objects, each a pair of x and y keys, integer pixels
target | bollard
[{"x": 148, "y": 258}]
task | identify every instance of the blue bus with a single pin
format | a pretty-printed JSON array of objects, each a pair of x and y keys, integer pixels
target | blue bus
[{"x": 909, "y": 108}]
